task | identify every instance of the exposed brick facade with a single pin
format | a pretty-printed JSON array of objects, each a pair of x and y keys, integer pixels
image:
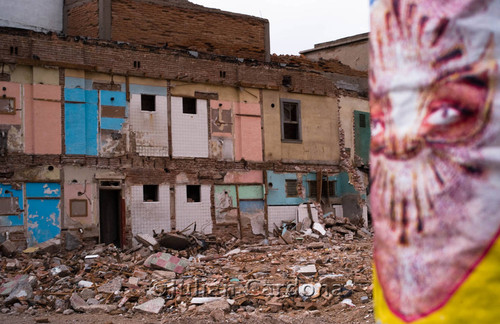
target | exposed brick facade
[
  {"x": 35, "y": 48},
  {"x": 175, "y": 25},
  {"x": 83, "y": 19}
]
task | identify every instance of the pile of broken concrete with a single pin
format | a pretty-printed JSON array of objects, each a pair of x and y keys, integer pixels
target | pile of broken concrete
[{"x": 297, "y": 271}]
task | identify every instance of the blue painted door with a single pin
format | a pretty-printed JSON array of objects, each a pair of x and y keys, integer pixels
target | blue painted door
[{"x": 43, "y": 210}]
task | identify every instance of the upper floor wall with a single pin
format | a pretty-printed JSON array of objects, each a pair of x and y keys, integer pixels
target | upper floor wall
[
  {"x": 351, "y": 51},
  {"x": 38, "y": 15},
  {"x": 300, "y": 127},
  {"x": 178, "y": 24}
]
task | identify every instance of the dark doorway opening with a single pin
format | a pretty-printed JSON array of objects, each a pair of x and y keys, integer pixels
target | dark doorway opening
[{"x": 110, "y": 216}]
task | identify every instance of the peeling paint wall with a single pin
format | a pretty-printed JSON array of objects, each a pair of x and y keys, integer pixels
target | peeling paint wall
[
  {"x": 189, "y": 131},
  {"x": 149, "y": 132},
  {"x": 16, "y": 192},
  {"x": 43, "y": 211},
  {"x": 11, "y": 135}
]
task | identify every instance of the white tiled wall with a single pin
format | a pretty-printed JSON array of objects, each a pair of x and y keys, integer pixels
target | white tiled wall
[
  {"x": 280, "y": 213},
  {"x": 147, "y": 216},
  {"x": 187, "y": 213},
  {"x": 151, "y": 130},
  {"x": 189, "y": 131}
]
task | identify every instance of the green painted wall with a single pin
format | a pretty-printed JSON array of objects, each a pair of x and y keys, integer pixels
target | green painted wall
[{"x": 362, "y": 134}]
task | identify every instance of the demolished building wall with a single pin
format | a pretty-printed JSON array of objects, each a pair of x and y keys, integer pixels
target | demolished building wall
[{"x": 178, "y": 141}]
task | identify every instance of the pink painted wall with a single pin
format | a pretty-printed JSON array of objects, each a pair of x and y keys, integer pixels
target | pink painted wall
[
  {"x": 244, "y": 177},
  {"x": 248, "y": 138},
  {"x": 71, "y": 192},
  {"x": 12, "y": 90},
  {"x": 42, "y": 119},
  {"x": 241, "y": 108}
]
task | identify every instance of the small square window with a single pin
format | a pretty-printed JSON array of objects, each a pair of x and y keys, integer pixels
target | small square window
[
  {"x": 291, "y": 188},
  {"x": 78, "y": 207},
  {"x": 150, "y": 193},
  {"x": 193, "y": 193},
  {"x": 189, "y": 106},
  {"x": 148, "y": 102}
]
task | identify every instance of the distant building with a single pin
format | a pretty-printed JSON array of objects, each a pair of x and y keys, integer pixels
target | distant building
[
  {"x": 142, "y": 115},
  {"x": 351, "y": 51}
]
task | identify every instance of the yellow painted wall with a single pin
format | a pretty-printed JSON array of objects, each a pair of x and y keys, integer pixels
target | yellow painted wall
[
  {"x": 347, "y": 107},
  {"x": 33, "y": 75},
  {"x": 226, "y": 93},
  {"x": 319, "y": 129}
]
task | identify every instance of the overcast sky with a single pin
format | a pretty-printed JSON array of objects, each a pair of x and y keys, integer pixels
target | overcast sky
[{"x": 297, "y": 25}]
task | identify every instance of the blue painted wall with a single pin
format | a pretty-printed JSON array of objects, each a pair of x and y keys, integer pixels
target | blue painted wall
[
  {"x": 82, "y": 118},
  {"x": 277, "y": 195},
  {"x": 144, "y": 89},
  {"x": 81, "y": 121},
  {"x": 13, "y": 220},
  {"x": 43, "y": 210}
]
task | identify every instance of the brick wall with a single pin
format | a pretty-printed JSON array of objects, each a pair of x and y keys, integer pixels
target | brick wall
[
  {"x": 157, "y": 63},
  {"x": 83, "y": 20},
  {"x": 185, "y": 26}
]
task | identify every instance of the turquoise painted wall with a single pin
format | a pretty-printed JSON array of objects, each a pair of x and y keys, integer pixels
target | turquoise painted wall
[{"x": 362, "y": 135}]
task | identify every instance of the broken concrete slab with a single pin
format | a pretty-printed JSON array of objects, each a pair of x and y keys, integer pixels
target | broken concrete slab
[
  {"x": 77, "y": 302},
  {"x": 71, "y": 242},
  {"x": 60, "y": 271},
  {"x": 174, "y": 241},
  {"x": 165, "y": 261},
  {"x": 159, "y": 274},
  {"x": 153, "y": 306},
  {"x": 204, "y": 300},
  {"x": 307, "y": 270},
  {"x": 50, "y": 246},
  {"x": 111, "y": 286},
  {"x": 147, "y": 240},
  {"x": 7, "y": 288},
  {"x": 8, "y": 248},
  {"x": 22, "y": 292},
  {"x": 209, "y": 307},
  {"x": 319, "y": 228}
]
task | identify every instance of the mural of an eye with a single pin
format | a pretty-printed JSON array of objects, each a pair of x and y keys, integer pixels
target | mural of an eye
[
  {"x": 444, "y": 115},
  {"x": 456, "y": 110}
]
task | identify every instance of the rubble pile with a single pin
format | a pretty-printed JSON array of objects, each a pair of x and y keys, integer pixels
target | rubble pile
[{"x": 309, "y": 266}]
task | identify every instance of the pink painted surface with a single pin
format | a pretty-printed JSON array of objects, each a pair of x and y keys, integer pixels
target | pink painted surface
[
  {"x": 248, "y": 138},
  {"x": 214, "y": 104},
  {"x": 244, "y": 177},
  {"x": 71, "y": 192},
  {"x": 42, "y": 119},
  {"x": 47, "y": 92},
  {"x": 12, "y": 90},
  {"x": 247, "y": 109}
]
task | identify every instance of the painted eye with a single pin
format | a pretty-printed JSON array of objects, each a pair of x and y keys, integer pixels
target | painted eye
[
  {"x": 377, "y": 128},
  {"x": 444, "y": 115}
]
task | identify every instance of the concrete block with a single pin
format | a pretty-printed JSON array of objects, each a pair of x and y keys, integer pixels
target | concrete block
[{"x": 153, "y": 306}]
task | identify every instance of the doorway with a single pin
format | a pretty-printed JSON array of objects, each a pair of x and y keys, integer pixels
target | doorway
[{"x": 110, "y": 216}]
